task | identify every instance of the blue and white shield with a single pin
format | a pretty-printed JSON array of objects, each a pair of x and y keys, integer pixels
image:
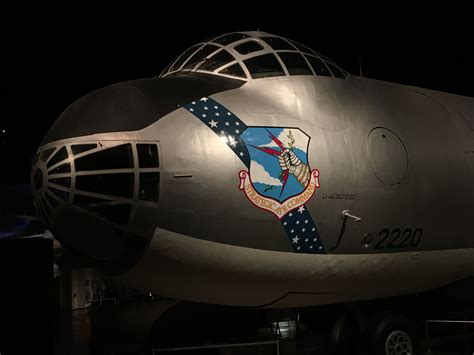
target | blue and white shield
[{"x": 268, "y": 173}]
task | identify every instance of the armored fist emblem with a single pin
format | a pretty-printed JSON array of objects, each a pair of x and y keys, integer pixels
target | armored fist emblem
[{"x": 289, "y": 161}]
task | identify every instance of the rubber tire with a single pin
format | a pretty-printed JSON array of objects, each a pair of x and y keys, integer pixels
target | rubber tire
[
  {"x": 344, "y": 335},
  {"x": 385, "y": 324}
]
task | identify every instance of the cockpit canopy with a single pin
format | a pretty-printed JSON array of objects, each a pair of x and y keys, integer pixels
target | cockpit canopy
[{"x": 252, "y": 55}]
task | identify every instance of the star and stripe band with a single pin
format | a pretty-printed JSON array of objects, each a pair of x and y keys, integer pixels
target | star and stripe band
[{"x": 298, "y": 223}]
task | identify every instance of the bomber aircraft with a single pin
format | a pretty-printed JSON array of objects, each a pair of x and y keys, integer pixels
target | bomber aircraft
[{"x": 255, "y": 172}]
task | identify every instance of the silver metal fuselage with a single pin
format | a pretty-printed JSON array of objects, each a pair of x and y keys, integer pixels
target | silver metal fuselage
[{"x": 399, "y": 157}]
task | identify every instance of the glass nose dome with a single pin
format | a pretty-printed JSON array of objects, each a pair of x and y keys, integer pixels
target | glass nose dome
[{"x": 253, "y": 55}]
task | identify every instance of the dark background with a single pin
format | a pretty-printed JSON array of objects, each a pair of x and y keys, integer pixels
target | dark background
[
  {"x": 27, "y": 300},
  {"x": 53, "y": 56}
]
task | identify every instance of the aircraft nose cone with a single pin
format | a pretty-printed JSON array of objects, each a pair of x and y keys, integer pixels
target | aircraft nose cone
[
  {"x": 87, "y": 179},
  {"x": 116, "y": 108},
  {"x": 90, "y": 211}
]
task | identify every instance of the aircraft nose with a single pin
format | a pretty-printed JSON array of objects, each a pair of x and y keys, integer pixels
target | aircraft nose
[
  {"x": 85, "y": 190},
  {"x": 95, "y": 181},
  {"x": 116, "y": 108},
  {"x": 91, "y": 197}
]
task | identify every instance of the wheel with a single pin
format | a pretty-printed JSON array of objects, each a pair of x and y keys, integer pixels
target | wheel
[
  {"x": 344, "y": 335},
  {"x": 398, "y": 342},
  {"x": 393, "y": 334}
]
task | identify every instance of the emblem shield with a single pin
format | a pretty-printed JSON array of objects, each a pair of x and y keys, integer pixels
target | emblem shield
[{"x": 279, "y": 173}]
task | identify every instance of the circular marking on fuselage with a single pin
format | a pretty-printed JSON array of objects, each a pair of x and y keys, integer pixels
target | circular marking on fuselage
[{"x": 387, "y": 155}]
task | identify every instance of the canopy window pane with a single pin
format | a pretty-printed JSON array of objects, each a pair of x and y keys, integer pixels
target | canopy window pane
[
  {"x": 199, "y": 56},
  {"x": 230, "y": 38},
  {"x": 184, "y": 56},
  {"x": 336, "y": 71},
  {"x": 217, "y": 60},
  {"x": 318, "y": 66},
  {"x": 234, "y": 70},
  {"x": 302, "y": 47},
  {"x": 248, "y": 47},
  {"x": 278, "y": 43},
  {"x": 264, "y": 66},
  {"x": 295, "y": 63}
]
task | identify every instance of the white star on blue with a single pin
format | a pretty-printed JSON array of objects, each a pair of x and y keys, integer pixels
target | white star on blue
[
  {"x": 309, "y": 234},
  {"x": 220, "y": 124}
]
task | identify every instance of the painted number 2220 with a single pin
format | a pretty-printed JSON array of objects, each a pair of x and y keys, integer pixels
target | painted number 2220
[{"x": 396, "y": 238}]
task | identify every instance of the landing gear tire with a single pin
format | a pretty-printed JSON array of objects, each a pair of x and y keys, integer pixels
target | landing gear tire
[
  {"x": 344, "y": 335},
  {"x": 393, "y": 334}
]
